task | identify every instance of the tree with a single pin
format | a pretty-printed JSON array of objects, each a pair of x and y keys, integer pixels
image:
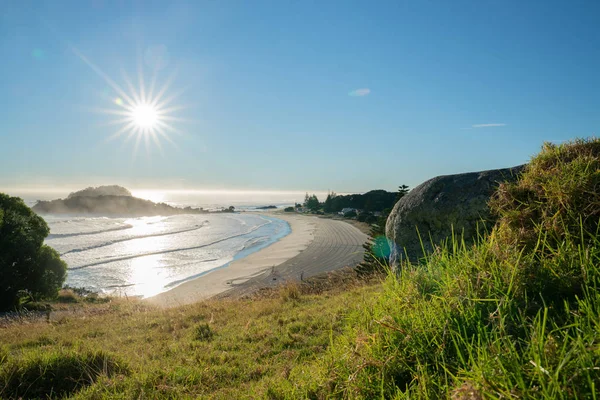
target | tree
[
  {"x": 402, "y": 191},
  {"x": 311, "y": 202},
  {"x": 26, "y": 264},
  {"x": 328, "y": 205},
  {"x": 350, "y": 214}
]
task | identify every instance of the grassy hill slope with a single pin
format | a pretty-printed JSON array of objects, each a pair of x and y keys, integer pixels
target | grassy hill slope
[{"x": 517, "y": 315}]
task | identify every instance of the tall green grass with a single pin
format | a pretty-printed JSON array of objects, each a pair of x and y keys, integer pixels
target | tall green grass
[{"x": 460, "y": 326}]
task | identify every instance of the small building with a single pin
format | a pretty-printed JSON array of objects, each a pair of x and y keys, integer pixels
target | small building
[{"x": 346, "y": 211}]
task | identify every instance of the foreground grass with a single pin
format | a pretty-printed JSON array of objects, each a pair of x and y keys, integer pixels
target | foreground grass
[
  {"x": 459, "y": 326},
  {"x": 220, "y": 349}
]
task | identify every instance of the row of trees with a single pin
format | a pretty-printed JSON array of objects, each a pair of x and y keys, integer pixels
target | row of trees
[
  {"x": 372, "y": 201},
  {"x": 311, "y": 202}
]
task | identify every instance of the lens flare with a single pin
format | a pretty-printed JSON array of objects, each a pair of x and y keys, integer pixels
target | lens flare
[
  {"x": 360, "y": 92},
  {"x": 381, "y": 247},
  {"x": 38, "y": 54}
]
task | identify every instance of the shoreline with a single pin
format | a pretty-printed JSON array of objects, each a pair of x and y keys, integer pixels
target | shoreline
[{"x": 241, "y": 270}]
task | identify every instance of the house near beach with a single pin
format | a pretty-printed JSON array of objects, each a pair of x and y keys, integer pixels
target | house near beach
[{"x": 347, "y": 211}]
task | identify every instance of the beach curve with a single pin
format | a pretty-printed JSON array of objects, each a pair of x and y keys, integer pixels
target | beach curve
[{"x": 315, "y": 245}]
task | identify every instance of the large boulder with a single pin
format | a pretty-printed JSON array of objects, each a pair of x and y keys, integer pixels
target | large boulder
[{"x": 429, "y": 213}]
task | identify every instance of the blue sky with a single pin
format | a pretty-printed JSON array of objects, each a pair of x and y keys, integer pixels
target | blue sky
[{"x": 453, "y": 86}]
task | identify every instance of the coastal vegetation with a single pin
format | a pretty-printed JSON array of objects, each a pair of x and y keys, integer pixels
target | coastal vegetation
[
  {"x": 29, "y": 270},
  {"x": 311, "y": 203},
  {"x": 514, "y": 315},
  {"x": 371, "y": 207},
  {"x": 372, "y": 201}
]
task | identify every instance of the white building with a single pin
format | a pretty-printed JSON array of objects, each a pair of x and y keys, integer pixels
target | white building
[{"x": 346, "y": 211}]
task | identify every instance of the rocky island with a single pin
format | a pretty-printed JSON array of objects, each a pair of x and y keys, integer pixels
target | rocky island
[{"x": 109, "y": 201}]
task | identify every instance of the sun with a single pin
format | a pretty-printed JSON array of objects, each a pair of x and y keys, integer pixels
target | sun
[
  {"x": 145, "y": 116},
  {"x": 144, "y": 112}
]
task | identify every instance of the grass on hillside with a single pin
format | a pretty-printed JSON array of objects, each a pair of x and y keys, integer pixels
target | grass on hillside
[
  {"x": 514, "y": 316},
  {"x": 215, "y": 349},
  {"x": 458, "y": 327}
]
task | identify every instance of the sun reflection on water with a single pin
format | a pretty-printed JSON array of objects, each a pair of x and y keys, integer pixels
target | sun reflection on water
[{"x": 147, "y": 273}]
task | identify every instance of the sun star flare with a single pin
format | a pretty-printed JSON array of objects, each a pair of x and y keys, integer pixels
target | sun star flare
[
  {"x": 144, "y": 116},
  {"x": 142, "y": 113}
]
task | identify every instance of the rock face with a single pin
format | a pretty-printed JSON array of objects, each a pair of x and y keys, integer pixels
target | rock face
[{"x": 440, "y": 205}]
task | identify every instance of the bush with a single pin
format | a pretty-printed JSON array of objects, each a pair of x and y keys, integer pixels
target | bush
[
  {"x": 289, "y": 209},
  {"x": 550, "y": 213},
  {"x": 366, "y": 217},
  {"x": 556, "y": 198},
  {"x": 67, "y": 296},
  {"x": 28, "y": 268},
  {"x": 203, "y": 333},
  {"x": 350, "y": 214},
  {"x": 55, "y": 375},
  {"x": 290, "y": 292}
]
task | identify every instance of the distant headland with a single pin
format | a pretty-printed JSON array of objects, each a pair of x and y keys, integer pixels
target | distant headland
[{"x": 111, "y": 201}]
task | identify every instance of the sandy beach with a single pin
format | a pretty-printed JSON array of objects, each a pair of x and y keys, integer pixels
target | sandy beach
[{"x": 315, "y": 245}]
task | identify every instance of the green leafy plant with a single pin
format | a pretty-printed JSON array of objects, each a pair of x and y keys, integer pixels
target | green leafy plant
[
  {"x": 26, "y": 264},
  {"x": 203, "y": 333}
]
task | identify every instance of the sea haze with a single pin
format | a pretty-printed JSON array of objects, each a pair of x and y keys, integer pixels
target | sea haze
[{"x": 148, "y": 255}]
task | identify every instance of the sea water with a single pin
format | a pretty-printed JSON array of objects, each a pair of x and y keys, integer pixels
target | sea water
[{"x": 149, "y": 255}]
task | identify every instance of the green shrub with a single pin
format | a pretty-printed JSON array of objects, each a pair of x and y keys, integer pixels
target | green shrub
[
  {"x": 290, "y": 292},
  {"x": 350, "y": 214},
  {"x": 548, "y": 215},
  {"x": 28, "y": 268},
  {"x": 56, "y": 374},
  {"x": 203, "y": 333},
  {"x": 67, "y": 296},
  {"x": 555, "y": 199},
  {"x": 289, "y": 209}
]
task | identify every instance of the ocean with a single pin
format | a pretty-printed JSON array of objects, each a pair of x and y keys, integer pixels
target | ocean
[{"x": 149, "y": 255}]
